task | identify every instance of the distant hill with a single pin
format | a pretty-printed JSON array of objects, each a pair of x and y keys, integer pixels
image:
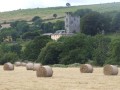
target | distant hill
[{"x": 46, "y": 13}]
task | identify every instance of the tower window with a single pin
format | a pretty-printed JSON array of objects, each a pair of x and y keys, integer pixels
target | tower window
[
  {"x": 74, "y": 19},
  {"x": 66, "y": 19},
  {"x": 71, "y": 22}
]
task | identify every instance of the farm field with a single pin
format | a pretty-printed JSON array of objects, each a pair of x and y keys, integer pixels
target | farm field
[{"x": 63, "y": 79}]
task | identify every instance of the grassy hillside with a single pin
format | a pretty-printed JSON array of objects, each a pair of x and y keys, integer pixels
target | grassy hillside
[{"x": 27, "y": 14}]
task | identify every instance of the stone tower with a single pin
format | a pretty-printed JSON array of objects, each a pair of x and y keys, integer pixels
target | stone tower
[{"x": 72, "y": 23}]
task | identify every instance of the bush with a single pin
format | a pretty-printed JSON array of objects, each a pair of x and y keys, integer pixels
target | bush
[
  {"x": 33, "y": 48},
  {"x": 9, "y": 57},
  {"x": 114, "y": 54},
  {"x": 50, "y": 53},
  {"x": 101, "y": 49},
  {"x": 76, "y": 49}
]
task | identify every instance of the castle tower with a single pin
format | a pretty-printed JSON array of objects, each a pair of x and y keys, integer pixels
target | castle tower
[{"x": 72, "y": 23}]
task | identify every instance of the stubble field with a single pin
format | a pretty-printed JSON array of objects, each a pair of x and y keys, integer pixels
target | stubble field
[{"x": 63, "y": 79}]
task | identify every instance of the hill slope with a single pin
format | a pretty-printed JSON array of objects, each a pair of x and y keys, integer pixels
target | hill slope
[{"x": 27, "y": 14}]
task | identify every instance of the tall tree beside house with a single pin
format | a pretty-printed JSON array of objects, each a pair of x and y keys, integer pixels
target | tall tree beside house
[
  {"x": 82, "y": 12},
  {"x": 5, "y": 32},
  {"x": 94, "y": 23},
  {"x": 47, "y": 27}
]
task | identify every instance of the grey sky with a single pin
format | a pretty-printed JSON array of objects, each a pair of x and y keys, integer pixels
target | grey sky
[{"x": 8, "y": 5}]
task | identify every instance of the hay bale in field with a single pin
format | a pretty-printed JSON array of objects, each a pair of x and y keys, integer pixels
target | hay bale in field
[
  {"x": 23, "y": 64},
  {"x": 29, "y": 66},
  {"x": 44, "y": 71},
  {"x": 86, "y": 68},
  {"x": 18, "y": 64},
  {"x": 110, "y": 70},
  {"x": 8, "y": 66},
  {"x": 36, "y": 66}
]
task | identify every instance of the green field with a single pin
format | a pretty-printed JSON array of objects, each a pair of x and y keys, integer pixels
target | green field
[{"x": 27, "y": 14}]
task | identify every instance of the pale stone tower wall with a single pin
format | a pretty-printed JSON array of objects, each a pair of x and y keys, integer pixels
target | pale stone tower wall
[{"x": 72, "y": 23}]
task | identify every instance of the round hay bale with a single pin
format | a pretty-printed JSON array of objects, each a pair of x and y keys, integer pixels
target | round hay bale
[
  {"x": 44, "y": 71},
  {"x": 86, "y": 68},
  {"x": 8, "y": 66},
  {"x": 18, "y": 64},
  {"x": 36, "y": 66},
  {"x": 110, "y": 70},
  {"x": 29, "y": 66},
  {"x": 23, "y": 64}
]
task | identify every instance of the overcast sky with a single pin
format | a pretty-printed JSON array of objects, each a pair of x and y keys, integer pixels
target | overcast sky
[{"x": 9, "y": 5}]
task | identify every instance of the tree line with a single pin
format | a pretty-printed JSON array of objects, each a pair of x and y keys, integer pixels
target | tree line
[
  {"x": 89, "y": 46},
  {"x": 79, "y": 48}
]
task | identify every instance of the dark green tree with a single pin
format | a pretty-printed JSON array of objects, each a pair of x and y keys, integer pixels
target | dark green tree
[
  {"x": 101, "y": 49},
  {"x": 33, "y": 48},
  {"x": 47, "y": 27},
  {"x": 35, "y": 18},
  {"x": 9, "y": 57},
  {"x": 54, "y": 15},
  {"x": 16, "y": 48},
  {"x": 50, "y": 53},
  {"x": 82, "y": 12},
  {"x": 5, "y": 48},
  {"x": 22, "y": 27},
  {"x": 37, "y": 21},
  {"x": 114, "y": 55},
  {"x": 30, "y": 35},
  {"x": 116, "y": 23},
  {"x": 59, "y": 25},
  {"x": 76, "y": 49},
  {"x": 94, "y": 23}
]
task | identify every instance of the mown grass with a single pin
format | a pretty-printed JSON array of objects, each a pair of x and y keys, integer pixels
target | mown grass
[
  {"x": 28, "y": 14},
  {"x": 62, "y": 79}
]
